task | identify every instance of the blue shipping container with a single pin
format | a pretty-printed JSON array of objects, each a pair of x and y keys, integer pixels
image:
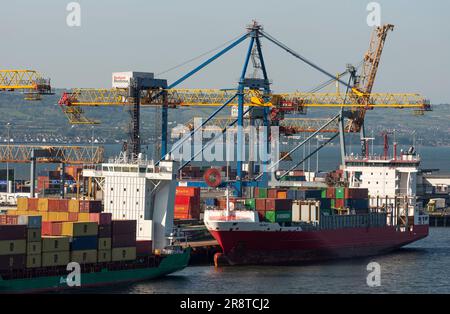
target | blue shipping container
[
  {"x": 30, "y": 221},
  {"x": 84, "y": 243},
  {"x": 313, "y": 194}
]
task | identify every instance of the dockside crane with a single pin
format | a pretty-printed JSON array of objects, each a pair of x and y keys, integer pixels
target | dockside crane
[
  {"x": 32, "y": 83},
  {"x": 251, "y": 95}
]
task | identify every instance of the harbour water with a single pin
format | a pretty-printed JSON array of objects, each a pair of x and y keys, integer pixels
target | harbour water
[{"x": 420, "y": 267}]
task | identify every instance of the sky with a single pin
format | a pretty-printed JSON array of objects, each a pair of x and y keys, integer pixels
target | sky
[{"x": 154, "y": 36}]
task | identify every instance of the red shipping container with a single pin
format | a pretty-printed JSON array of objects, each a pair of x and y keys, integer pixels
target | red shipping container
[
  {"x": 272, "y": 193},
  {"x": 123, "y": 227},
  {"x": 12, "y": 219},
  {"x": 260, "y": 204},
  {"x": 51, "y": 228},
  {"x": 73, "y": 216},
  {"x": 331, "y": 193},
  {"x": 101, "y": 218},
  {"x": 13, "y": 232},
  {"x": 144, "y": 248},
  {"x": 339, "y": 203},
  {"x": 90, "y": 206},
  {"x": 63, "y": 205},
  {"x": 351, "y": 193},
  {"x": 53, "y": 205},
  {"x": 3, "y": 219},
  {"x": 278, "y": 204},
  {"x": 32, "y": 204}
]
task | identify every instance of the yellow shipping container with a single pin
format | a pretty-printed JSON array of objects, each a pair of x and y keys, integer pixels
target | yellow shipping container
[
  {"x": 34, "y": 260},
  {"x": 42, "y": 204},
  {"x": 84, "y": 256},
  {"x": 123, "y": 254},
  {"x": 55, "y": 243},
  {"x": 74, "y": 206},
  {"x": 11, "y": 212},
  {"x": 58, "y": 216},
  {"x": 11, "y": 247},
  {"x": 83, "y": 217},
  {"x": 76, "y": 229},
  {"x": 22, "y": 203},
  {"x": 34, "y": 248},
  {"x": 104, "y": 256},
  {"x": 34, "y": 235},
  {"x": 58, "y": 258},
  {"x": 104, "y": 243}
]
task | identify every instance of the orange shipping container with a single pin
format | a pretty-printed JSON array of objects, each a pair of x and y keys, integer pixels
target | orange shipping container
[
  {"x": 83, "y": 217},
  {"x": 282, "y": 194},
  {"x": 22, "y": 203},
  {"x": 74, "y": 206},
  {"x": 187, "y": 191},
  {"x": 73, "y": 216}
]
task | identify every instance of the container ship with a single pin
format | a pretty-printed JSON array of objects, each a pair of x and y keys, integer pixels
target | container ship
[
  {"x": 111, "y": 241},
  {"x": 367, "y": 207}
]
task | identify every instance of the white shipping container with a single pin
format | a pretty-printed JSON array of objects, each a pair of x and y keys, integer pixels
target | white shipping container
[{"x": 122, "y": 79}]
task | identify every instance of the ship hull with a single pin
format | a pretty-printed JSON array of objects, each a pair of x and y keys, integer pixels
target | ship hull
[
  {"x": 289, "y": 247},
  {"x": 168, "y": 265}
]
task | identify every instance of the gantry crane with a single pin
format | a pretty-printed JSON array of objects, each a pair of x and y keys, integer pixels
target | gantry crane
[
  {"x": 29, "y": 81},
  {"x": 252, "y": 94}
]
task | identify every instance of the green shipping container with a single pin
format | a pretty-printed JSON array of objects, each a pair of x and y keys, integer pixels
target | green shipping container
[
  {"x": 279, "y": 216},
  {"x": 324, "y": 193},
  {"x": 262, "y": 193},
  {"x": 333, "y": 203},
  {"x": 340, "y": 192},
  {"x": 250, "y": 203}
]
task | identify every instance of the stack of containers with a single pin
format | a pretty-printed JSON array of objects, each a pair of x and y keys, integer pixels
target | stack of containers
[
  {"x": 83, "y": 241},
  {"x": 187, "y": 203},
  {"x": 87, "y": 207},
  {"x": 357, "y": 199},
  {"x": 278, "y": 210},
  {"x": 55, "y": 251},
  {"x": 13, "y": 246},
  {"x": 123, "y": 236},
  {"x": 34, "y": 239},
  {"x": 104, "y": 240}
]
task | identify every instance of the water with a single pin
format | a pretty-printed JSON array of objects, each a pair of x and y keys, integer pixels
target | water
[
  {"x": 421, "y": 267},
  {"x": 432, "y": 157}
]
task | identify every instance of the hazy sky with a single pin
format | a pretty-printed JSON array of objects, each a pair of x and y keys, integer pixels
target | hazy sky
[{"x": 156, "y": 35}]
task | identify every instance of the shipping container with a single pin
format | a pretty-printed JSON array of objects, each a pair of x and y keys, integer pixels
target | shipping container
[
  {"x": 63, "y": 205},
  {"x": 34, "y": 260},
  {"x": 84, "y": 256},
  {"x": 123, "y": 226},
  {"x": 84, "y": 243},
  {"x": 250, "y": 203},
  {"x": 75, "y": 229},
  {"x": 282, "y": 194},
  {"x": 73, "y": 216},
  {"x": 13, "y": 232},
  {"x": 52, "y": 228},
  {"x": 261, "y": 192},
  {"x": 187, "y": 191},
  {"x": 13, "y": 262},
  {"x": 90, "y": 206},
  {"x": 313, "y": 194},
  {"x": 278, "y": 204},
  {"x": 104, "y": 243},
  {"x": 123, "y": 240},
  {"x": 356, "y": 193},
  {"x": 101, "y": 218},
  {"x": 74, "y": 206},
  {"x": 30, "y": 221},
  {"x": 340, "y": 193},
  {"x": 34, "y": 234},
  {"x": 55, "y": 243},
  {"x": 144, "y": 247},
  {"x": 260, "y": 204},
  {"x": 11, "y": 247},
  {"x": 331, "y": 193},
  {"x": 33, "y": 204},
  {"x": 104, "y": 256},
  {"x": 22, "y": 203},
  {"x": 34, "y": 248},
  {"x": 55, "y": 258},
  {"x": 123, "y": 254},
  {"x": 83, "y": 217},
  {"x": 104, "y": 231},
  {"x": 279, "y": 216}
]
